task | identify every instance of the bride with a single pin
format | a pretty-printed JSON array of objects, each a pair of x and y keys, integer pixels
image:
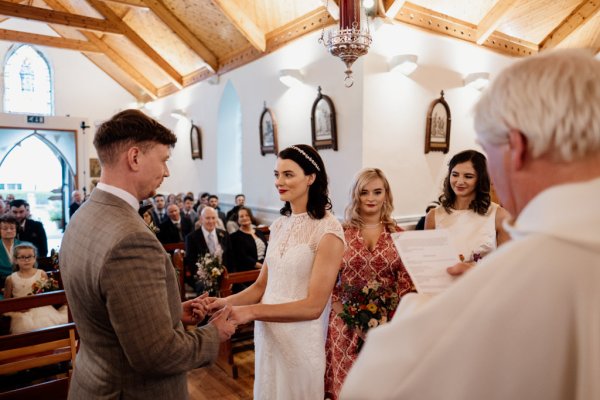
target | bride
[{"x": 290, "y": 296}]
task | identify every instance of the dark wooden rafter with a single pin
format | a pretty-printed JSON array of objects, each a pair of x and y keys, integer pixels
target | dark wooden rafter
[
  {"x": 577, "y": 19},
  {"x": 57, "y": 17},
  {"x": 136, "y": 39},
  {"x": 183, "y": 32},
  {"x": 50, "y": 41}
]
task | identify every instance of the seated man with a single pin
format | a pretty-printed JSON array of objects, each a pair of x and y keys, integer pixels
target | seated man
[
  {"x": 524, "y": 323},
  {"x": 175, "y": 228},
  {"x": 77, "y": 200},
  {"x": 30, "y": 230},
  {"x": 213, "y": 201},
  {"x": 206, "y": 239},
  {"x": 159, "y": 213}
]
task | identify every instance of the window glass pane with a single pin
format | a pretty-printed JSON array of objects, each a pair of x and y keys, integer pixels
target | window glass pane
[{"x": 28, "y": 82}]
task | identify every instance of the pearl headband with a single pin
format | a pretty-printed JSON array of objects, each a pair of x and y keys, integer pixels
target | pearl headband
[{"x": 309, "y": 158}]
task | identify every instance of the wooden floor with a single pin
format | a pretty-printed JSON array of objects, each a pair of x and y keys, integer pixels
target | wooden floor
[{"x": 213, "y": 383}]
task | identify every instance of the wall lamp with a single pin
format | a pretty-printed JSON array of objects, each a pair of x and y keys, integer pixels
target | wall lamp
[
  {"x": 404, "y": 63},
  {"x": 291, "y": 77},
  {"x": 179, "y": 114},
  {"x": 477, "y": 80}
]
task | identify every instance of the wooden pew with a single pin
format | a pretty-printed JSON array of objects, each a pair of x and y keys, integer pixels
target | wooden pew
[
  {"x": 38, "y": 348},
  {"x": 243, "y": 338},
  {"x": 177, "y": 260}
]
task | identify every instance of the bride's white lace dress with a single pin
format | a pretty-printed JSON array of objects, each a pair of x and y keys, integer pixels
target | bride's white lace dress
[{"x": 290, "y": 357}]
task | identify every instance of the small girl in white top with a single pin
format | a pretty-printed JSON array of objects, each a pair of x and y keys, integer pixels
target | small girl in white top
[{"x": 20, "y": 284}]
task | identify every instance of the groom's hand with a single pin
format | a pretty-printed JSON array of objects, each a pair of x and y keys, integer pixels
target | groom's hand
[
  {"x": 195, "y": 310},
  {"x": 224, "y": 325}
]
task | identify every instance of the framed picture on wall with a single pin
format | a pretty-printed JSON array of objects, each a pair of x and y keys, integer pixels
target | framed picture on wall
[
  {"x": 196, "y": 141},
  {"x": 437, "y": 134},
  {"x": 324, "y": 132},
  {"x": 268, "y": 132},
  {"x": 95, "y": 168}
]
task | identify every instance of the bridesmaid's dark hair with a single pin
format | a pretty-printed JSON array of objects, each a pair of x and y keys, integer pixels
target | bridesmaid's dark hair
[
  {"x": 481, "y": 203},
  {"x": 311, "y": 163}
]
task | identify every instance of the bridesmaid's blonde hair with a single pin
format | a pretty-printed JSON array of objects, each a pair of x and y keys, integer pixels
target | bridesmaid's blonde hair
[{"x": 364, "y": 177}]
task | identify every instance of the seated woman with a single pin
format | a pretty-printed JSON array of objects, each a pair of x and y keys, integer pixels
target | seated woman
[
  {"x": 466, "y": 209},
  {"x": 21, "y": 283},
  {"x": 8, "y": 233},
  {"x": 249, "y": 245}
]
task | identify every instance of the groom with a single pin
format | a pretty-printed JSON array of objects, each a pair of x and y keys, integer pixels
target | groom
[{"x": 120, "y": 283}]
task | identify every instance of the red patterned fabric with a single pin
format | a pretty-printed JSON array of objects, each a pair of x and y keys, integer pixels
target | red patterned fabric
[{"x": 358, "y": 265}]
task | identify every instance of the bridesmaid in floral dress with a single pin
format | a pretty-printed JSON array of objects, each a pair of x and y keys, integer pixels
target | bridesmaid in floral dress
[{"x": 370, "y": 254}]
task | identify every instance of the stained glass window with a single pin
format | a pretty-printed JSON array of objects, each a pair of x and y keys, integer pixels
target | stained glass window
[{"x": 28, "y": 85}]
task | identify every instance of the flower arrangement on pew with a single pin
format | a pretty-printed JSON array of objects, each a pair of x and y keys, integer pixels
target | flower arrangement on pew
[
  {"x": 210, "y": 272},
  {"x": 44, "y": 286},
  {"x": 367, "y": 306}
]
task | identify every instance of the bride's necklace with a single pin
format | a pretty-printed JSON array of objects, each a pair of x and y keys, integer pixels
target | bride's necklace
[{"x": 371, "y": 225}]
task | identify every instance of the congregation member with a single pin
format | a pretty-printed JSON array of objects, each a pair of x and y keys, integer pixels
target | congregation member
[
  {"x": 467, "y": 211},
  {"x": 77, "y": 200},
  {"x": 175, "y": 228},
  {"x": 240, "y": 201},
  {"x": 206, "y": 239},
  {"x": 248, "y": 245},
  {"x": 159, "y": 213},
  {"x": 525, "y": 323},
  {"x": 8, "y": 237},
  {"x": 289, "y": 299},
  {"x": 188, "y": 209},
  {"x": 370, "y": 259},
  {"x": 29, "y": 230},
  {"x": 121, "y": 286},
  {"x": 21, "y": 283},
  {"x": 213, "y": 201},
  {"x": 202, "y": 202},
  {"x": 421, "y": 223}
]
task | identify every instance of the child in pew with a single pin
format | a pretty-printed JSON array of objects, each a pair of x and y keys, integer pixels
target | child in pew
[{"x": 20, "y": 284}]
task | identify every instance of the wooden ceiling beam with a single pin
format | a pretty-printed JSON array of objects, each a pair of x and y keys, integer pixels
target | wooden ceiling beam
[
  {"x": 183, "y": 32},
  {"x": 492, "y": 19},
  {"x": 332, "y": 8},
  {"x": 57, "y": 17},
  {"x": 140, "y": 97},
  {"x": 130, "y": 34},
  {"x": 432, "y": 21},
  {"x": 50, "y": 41},
  {"x": 133, "y": 3},
  {"x": 579, "y": 17},
  {"x": 141, "y": 81},
  {"x": 243, "y": 23},
  {"x": 392, "y": 7}
]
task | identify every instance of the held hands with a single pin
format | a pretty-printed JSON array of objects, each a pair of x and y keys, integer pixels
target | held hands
[
  {"x": 195, "y": 310},
  {"x": 225, "y": 326}
]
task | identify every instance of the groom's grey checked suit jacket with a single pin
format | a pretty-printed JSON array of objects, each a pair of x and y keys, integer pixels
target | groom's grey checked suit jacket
[{"x": 123, "y": 294}]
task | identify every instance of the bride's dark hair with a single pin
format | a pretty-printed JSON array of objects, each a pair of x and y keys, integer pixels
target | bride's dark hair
[{"x": 318, "y": 193}]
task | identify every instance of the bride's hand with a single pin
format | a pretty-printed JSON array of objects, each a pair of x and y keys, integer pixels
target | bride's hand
[
  {"x": 241, "y": 315},
  {"x": 215, "y": 304}
]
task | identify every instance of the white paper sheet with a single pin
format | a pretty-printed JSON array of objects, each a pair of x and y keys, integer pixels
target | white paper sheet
[{"x": 426, "y": 255}]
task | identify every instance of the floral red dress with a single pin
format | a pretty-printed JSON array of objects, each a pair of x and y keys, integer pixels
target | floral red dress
[{"x": 358, "y": 265}]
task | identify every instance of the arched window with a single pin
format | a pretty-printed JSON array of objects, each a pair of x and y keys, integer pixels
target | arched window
[{"x": 27, "y": 82}]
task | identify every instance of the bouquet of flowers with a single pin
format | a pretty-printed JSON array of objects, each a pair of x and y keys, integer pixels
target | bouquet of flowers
[
  {"x": 368, "y": 306},
  {"x": 44, "y": 285},
  {"x": 210, "y": 271}
]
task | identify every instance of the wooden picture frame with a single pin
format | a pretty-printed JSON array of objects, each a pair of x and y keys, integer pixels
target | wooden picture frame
[
  {"x": 323, "y": 125},
  {"x": 196, "y": 141},
  {"x": 268, "y": 132},
  {"x": 95, "y": 168},
  {"x": 437, "y": 134}
]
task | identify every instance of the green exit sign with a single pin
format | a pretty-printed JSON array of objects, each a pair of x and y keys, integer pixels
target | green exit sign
[{"x": 35, "y": 119}]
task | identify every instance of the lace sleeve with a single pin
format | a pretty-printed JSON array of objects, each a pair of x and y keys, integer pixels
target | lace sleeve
[{"x": 329, "y": 224}]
